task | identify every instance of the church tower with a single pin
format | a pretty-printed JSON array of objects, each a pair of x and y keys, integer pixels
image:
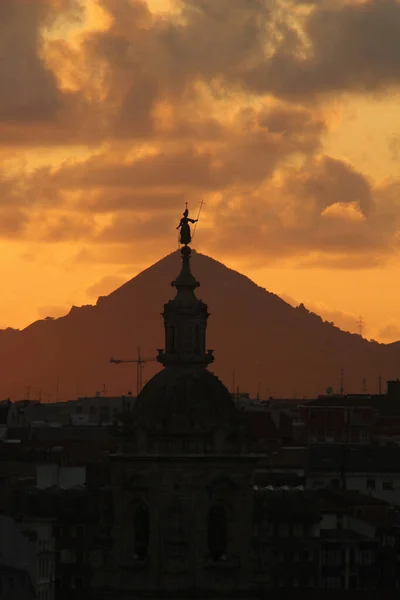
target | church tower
[
  {"x": 183, "y": 493},
  {"x": 185, "y": 408}
]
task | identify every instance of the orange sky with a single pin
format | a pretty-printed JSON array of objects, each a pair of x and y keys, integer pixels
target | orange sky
[{"x": 284, "y": 120}]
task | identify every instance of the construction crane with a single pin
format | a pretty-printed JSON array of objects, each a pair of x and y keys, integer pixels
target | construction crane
[{"x": 140, "y": 362}]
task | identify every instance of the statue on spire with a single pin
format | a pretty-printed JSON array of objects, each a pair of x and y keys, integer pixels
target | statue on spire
[{"x": 185, "y": 228}]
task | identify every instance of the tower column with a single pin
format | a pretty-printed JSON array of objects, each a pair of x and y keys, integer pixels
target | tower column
[{"x": 185, "y": 322}]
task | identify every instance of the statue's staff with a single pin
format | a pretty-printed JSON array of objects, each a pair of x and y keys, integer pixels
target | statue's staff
[{"x": 201, "y": 206}]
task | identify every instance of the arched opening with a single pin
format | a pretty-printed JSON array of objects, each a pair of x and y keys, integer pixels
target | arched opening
[
  {"x": 217, "y": 532},
  {"x": 142, "y": 531}
]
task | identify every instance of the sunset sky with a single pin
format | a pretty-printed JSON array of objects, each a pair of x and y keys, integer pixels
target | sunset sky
[{"x": 282, "y": 115}]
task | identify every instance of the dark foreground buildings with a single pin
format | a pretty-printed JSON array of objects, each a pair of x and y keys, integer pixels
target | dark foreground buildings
[{"x": 176, "y": 503}]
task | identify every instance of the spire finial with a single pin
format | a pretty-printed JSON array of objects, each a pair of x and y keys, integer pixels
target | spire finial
[{"x": 185, "y": 280}]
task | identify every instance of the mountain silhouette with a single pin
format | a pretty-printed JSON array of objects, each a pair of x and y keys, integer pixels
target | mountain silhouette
[{"x": 286, "y": 351}]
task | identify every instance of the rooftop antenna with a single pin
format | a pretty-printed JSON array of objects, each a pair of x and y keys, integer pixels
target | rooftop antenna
[
  {"x": 364, "y": 385},
  {"x": 341, "y": 380},
  {"x": 360, "y": 325},
  {"x": 202, "y": 203},
  {"x": 258, "y": 390}
]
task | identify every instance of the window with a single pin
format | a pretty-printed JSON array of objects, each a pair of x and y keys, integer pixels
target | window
[
  {"x": 297, "y": 530},
  {"x": 332, "y": 582},
  {"x": 142, "y": 531},
  {"x": 389, "y": 540},
  {"x": 79, "y": 583},
  {"x": 388, "y": 485},
  {"x": 308, "y": 555},
  {"x": 371, "y": 484},
  {"x": 80, "y": 531},
  {"x": 335, "y": 483},
  {"x": 67, "y": 557},
  {"x": 282, "y": 530},
  {"x": 353, "y": 582},
  {"x": 332, "y": 558},
  {"x": 366, "y": 557},
  {"x": 217, "y": 532}
]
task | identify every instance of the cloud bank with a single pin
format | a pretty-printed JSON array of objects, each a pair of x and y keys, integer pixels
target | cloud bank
[{"x": 226, "y": 101}]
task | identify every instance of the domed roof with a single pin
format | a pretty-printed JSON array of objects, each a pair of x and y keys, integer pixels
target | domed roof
[{"x": 185, "y": 400}]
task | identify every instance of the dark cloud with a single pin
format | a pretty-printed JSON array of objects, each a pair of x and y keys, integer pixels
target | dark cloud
[
  {"x": 29, "y": 90},
  {"x": 12, "y": 222},
  {"x": 330, "y": 181},
  {"x": 34, "y": 109},
  {"x": 185, "y": 167},
  {"x": 217, "y": 39},
  {"x": 185, "y": 107},
  {"x": 325, "y": 211},
  {"x": 248, "y": 151},
  {"x": 123, "y": 76},
  {"x": 246, "y": 154},
  {"x": 351, "y": 47},
  {"x": 55, "y": 228}
]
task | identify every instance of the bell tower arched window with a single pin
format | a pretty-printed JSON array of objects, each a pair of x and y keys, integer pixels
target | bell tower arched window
[
  {"x": 217, "y": 532},
  {"x": 142, "y": 531}
]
